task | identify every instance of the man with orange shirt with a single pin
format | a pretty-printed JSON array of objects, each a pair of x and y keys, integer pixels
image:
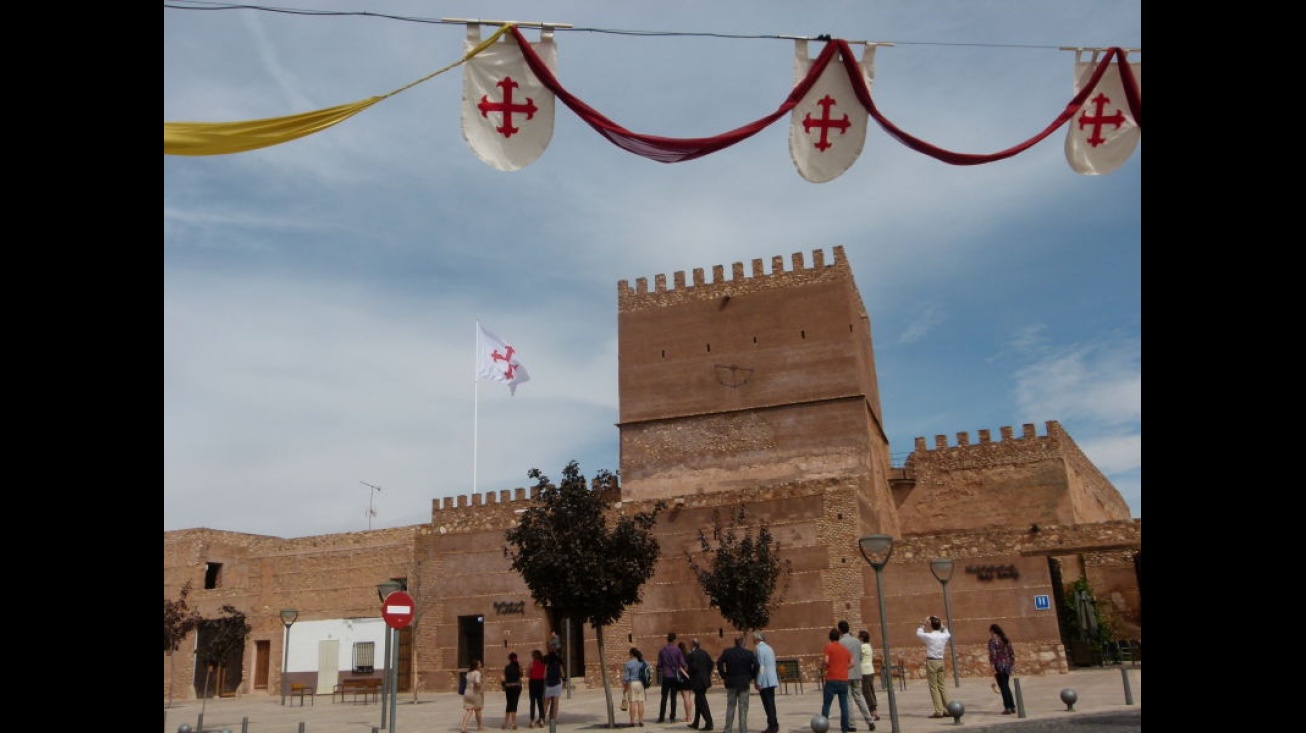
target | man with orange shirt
[{"x": 837, "y": 659}]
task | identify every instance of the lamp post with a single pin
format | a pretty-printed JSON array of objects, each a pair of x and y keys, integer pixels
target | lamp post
[
  {"x": 942, "y": 569},
  {"x": 877, "y": 548},
  {"x": 384, "y": 589},
  {"x": 288, "y": 616}
]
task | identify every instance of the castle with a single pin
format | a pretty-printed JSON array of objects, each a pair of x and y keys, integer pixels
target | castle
[{"x": 756, "y": 390}]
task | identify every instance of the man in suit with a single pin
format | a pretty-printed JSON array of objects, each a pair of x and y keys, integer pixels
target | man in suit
[
  {"x": 700, "y": 678},
  {"x": 738, "y": 667}
]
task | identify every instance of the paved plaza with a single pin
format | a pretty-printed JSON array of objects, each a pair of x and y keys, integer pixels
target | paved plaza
[{"x": 1100, "y": 691}]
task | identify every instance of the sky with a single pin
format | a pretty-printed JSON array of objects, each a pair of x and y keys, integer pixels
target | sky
[{"x": 321, "y": 296}]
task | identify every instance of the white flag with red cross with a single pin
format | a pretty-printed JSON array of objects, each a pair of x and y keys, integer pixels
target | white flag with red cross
[
  {"x": 1103, "y": 133},
  {"x": 828, "y": 127},
  {"x": 496, "y": 360},
  {"x": 507, "y": 114}
]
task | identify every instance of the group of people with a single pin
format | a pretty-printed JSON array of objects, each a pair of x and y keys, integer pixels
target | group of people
[
  {"x": 544, "y": 681},
  {"x": 842, "y": 659},
  {"x": 689, "y": 670},
  {"x": 848, "y": 663}
]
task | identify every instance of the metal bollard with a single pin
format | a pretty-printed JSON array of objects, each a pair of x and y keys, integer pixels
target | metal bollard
[
  {"x": 244, "y": 724},
  {"x": 1020, "y": 699},
  {"x": 185, "y": 728},
  {"x": 1129, "y": 694},
  {"x": 199, "y": 726},
  {"x": 1069, "y": 696},
  {"x": 302, "y": 726},
  {"x": 956, "y": 708}
]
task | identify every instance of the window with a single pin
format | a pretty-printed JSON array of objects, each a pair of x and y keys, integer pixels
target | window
[
  {"x": 212, "y": 575},
  {"x": 364, "y": 657}
]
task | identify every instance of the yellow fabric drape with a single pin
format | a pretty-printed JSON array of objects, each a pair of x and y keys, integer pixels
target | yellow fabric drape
[{"x": 222, "y": 138}]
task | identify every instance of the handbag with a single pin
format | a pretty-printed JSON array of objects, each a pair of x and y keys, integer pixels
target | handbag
[{"x": 624, "y": 704}]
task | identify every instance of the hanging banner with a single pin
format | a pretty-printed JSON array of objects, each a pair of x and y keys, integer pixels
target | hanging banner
[
  {"x": 507, "y": 115},
  {"x": 828, "y": 127},
  {"x": 1103, "y": 133}
]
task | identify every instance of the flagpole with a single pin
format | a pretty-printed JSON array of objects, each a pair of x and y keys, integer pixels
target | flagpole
[{"x": 476, "y": 400}]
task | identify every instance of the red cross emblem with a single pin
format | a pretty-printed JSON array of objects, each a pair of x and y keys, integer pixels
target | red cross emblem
[
  {"x": 507, "y": 107},
  {"x": 825, "y": 123},
  {"x": 509, "y": 368},
  {"x": 1097, "y": 120}
]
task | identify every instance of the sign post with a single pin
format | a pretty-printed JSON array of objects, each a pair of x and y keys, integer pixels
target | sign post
[{"x": 397, "y": 610}]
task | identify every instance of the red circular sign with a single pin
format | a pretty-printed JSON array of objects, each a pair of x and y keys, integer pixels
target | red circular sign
[{"x": 397, "y": 610}]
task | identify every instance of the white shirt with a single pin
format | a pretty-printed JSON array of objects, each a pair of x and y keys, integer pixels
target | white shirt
[{"x": 935, "y": 641}]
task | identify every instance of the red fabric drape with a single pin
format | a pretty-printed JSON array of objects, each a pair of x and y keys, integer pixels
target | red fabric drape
[
  {"x": 656, "y": 147},
  {"x": 676, "y": 150}
]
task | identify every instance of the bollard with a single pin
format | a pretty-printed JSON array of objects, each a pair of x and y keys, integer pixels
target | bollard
[
  {"x": 302, "y": 726},
  {"x": 1069, "y": 696},
  {"x": 1020, "y": 699},
  {"x": 956, "y": 708},
  {"x": 199, "y": 726},
  {"x": 1129, "y": 694},
  {"x": 244, "y": 724},
  {"x": 820, "y": 724},
  {"x": 185, "y": 728}
]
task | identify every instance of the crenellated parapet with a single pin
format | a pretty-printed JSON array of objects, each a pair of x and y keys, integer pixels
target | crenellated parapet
[
  {"x": 640, "y": 297},
  {"x": 985, "y": 436},
  {"x": 488, "y": 498}
]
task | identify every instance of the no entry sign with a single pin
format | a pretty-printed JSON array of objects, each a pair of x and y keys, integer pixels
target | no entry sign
[{"x": 397, "y": 610}]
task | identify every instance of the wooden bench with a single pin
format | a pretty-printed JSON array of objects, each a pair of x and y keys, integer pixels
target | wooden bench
[
  {"x": 301, "y": 691},
  {"x": 368, "y": 687},
  {"x": 789, "y": 673}
]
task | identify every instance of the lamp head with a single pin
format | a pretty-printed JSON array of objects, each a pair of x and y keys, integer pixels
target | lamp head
[
  {"x": 876, "y": 548},
  {"x": 288, "y": 616},
  {"x": 942, "y": 569},
  {"x": 385, "y": 588}
]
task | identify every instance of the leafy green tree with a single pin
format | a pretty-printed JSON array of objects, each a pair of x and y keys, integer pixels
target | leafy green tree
[
  {"x": 580, "y": 560},
  {"x": 740, "y": 572},
  {"x": 221, "y": 640},
  {"x": 179, "y": 619}
]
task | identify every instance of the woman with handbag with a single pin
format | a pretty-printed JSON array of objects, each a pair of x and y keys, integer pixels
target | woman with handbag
[
  {"x": 1003, "y": 657},
  {"x": 512, "y": 691},
  {"x": 632, "y": 687}
]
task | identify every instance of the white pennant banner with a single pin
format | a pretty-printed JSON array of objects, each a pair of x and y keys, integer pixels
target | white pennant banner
[
  {"x": 1102, "y": 134},
  {"x": 507, "y": 113},
  {"x": 828, "y": 127}
]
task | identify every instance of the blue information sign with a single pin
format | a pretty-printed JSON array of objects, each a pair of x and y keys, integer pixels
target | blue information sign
[{"x": 1042, "y": 603}]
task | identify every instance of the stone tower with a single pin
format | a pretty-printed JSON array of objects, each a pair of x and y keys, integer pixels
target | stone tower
[{"x": 751, "y": 382}]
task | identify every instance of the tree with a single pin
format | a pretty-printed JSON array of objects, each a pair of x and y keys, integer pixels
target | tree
[
  {"x": 220, "y": 642},
  {"x": 579, "y": 560},
  {"x": 740, "y": 574},
  {"x": 179, "y": 619}
]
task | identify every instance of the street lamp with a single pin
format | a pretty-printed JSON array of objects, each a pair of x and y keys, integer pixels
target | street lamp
[
  {"x": 942, "y": 569},
  {"x": 384, "y": 589},
  {"x": 877, "y": 548},
  {"x": 288, "y": 616}
]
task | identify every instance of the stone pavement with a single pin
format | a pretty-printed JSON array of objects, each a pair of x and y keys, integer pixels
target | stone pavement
[{"x": 1099, "y": 690}]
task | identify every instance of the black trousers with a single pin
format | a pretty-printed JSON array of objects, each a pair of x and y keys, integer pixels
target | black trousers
[
  {"x": 768, "y": 704},
  {"x": 701, "y": 710},
  {"x": 536, "y": 689},
  {"x": 669, "y": 690}
]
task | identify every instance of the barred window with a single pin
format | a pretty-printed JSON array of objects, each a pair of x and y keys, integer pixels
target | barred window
[{"x": 364, "y": 657}]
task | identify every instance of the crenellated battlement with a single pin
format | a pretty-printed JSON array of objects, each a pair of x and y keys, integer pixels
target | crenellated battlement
[
  {"x": 985, "y": 436},
  {"x": 487, "y": 498},
  {"x": 640, "y": 297}
]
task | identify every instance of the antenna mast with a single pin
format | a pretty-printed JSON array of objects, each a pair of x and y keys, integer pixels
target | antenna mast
[{"x": 370, "y": 511}]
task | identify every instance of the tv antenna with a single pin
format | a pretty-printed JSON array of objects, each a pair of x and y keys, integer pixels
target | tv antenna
[{"x": 370, "y": 511}]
